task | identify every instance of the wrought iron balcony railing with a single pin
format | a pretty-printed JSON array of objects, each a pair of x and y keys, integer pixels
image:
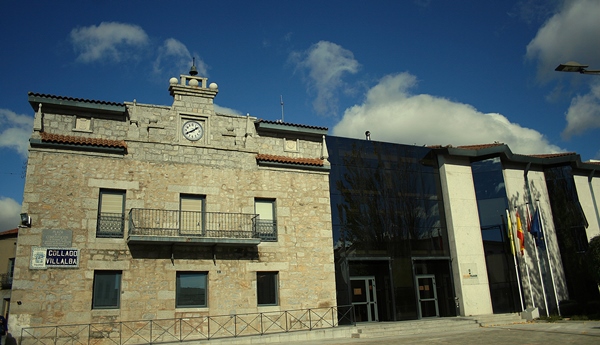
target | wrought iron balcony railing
[
  {"x": 151, "y": 225},
  {"x": 190, "y": 329},
  {"x": 110, "y": 225}
]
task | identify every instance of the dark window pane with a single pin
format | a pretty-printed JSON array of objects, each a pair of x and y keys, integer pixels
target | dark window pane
[
  {"x": 191, "y": 289},
  {"x": 107, "y": 289},
  {"x": 266, "y": 286}
]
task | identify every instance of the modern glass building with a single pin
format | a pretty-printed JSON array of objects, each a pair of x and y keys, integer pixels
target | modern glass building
[
  {"x": 433, "y": 231},
  {"x": 389, "y": 234}
]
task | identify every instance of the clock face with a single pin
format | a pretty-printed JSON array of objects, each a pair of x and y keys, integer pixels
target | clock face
[{"x": 192, "y": 130}]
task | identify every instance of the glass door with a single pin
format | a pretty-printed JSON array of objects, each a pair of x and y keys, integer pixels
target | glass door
[
  {"x": 364, "y": 299},
  {"x": 428, "y": 302}
]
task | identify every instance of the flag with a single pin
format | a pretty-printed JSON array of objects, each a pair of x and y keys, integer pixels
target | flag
[
  {"x": 520, "y": 234},
  {"x": 536, "y": 230},
  {"x": 510, "y": 233}
]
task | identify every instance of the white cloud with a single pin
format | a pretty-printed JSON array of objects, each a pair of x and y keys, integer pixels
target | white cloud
[
  {"x": 15, "y": 130},
  {"x": 570, "y": 35},
  {"x": 9, "y": 213},
  {"x": 174, "y": 58},
  {"x": 109, "y": 40},
  {"x": 224, "y": 110},
  {"x": 583, "y": 114},
  {"x": 326, "y": 63},
  {"x": 392, "y": 113}
]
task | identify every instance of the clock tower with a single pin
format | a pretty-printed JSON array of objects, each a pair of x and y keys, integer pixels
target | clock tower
[{"x": 193, "y": 103}]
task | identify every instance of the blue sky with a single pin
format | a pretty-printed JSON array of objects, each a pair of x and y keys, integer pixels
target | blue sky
[{"x": 419, "y": 72}]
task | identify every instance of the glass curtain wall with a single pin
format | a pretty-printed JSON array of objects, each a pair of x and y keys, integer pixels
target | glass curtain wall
[
  {"x": 500, "y": 262},
  {"x": 388, "y": 227},
  {"x": 570, "y": 222}
]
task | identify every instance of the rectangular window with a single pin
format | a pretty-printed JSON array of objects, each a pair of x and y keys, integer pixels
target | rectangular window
[
  {"x": 191, "y": 289},
  {"x": 111, "y": 213},
  {"x": 266, "y": 288},
  {"x": 107, "y": 290},
  {"x": 266, "y": 225},
  {"x": 11, "y": 267},
  {"x": 191, "y": 219}
]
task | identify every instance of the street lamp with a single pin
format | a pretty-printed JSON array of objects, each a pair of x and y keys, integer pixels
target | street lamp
[{"x": 573, "y": 66}]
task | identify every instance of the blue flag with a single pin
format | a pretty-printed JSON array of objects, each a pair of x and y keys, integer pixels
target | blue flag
[{"x": 536, "y": 231}]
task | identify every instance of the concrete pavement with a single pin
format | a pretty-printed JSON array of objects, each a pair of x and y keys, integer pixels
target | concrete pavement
[{"x": 533, "y": 333}]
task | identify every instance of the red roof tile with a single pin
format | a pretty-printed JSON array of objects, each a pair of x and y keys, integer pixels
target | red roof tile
[
  {"x": 553, "y": 155},
  {"x": 10, "y": 232},
  {"x": 69, "y": 139},
  {"x": 479, "y": 146},
  {"x": 291, "y": 124},
  {"x": 289, "y": 160},
  {"x": 466, "y": 147}
]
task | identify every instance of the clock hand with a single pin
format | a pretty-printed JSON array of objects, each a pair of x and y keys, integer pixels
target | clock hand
[{"x": 191, "y": 130}]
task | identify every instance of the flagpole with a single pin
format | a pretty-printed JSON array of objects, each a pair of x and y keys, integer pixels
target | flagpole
[
  {"x": 513, "y": 251},
  {"x": 529, "y": 280},
  {"x": 537, "y": 257},
  {"x": 548, "y": 256}
]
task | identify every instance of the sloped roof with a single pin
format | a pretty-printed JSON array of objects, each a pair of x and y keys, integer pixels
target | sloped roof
[
  {"x": 289, "y": 160},
  {"x": 74, "y": 140},
  {"x": 10, "y": 232},
  {"x": 73, "y": 99},
  {"x": 553, "y": 155},
  {"x": 281, "y": 123}
]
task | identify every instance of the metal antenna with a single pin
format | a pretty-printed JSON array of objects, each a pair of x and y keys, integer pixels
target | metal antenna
[{"x": 281, "y": 99}]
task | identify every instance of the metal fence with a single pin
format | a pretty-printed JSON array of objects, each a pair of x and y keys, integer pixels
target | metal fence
[{"x": 189, "y": 328}]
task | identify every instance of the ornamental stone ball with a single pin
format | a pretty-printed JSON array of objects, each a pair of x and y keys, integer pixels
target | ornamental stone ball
[
  {"x": 173, "y": 81},
  {"x": 213, "y": 86}
]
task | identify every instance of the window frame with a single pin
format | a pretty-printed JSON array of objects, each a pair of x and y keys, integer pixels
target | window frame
[
  {"x": 263, "y": 292},
  {"x": 203, "y": 274},
  {"x": 269, "y": 224},
  {"x": 97, "y": 289},
  {"x": 185, "y": 214},
  {"x": 102, "y": 220}
]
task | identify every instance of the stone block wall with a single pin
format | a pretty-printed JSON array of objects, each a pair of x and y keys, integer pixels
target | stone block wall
[{"x": 62, "y": 192}]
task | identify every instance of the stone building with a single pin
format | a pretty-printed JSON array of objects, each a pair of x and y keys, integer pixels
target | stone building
[
  {"x": 8, "y": 248},
  {"x": 146, "y": 212}
]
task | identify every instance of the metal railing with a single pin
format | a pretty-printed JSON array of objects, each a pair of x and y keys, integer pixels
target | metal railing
[
  {"x": 189, "y": 328},
  {"x": 152, "y": 222},
  {"x": 110, "y": 225}
]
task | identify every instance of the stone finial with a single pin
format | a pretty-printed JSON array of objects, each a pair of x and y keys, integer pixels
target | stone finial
[
  {"x": 324, "y": 151},
  {"x": 38, "y": 119}
]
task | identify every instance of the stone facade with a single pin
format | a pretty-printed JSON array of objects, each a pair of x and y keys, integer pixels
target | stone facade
[{"x": 80, "y": 147}]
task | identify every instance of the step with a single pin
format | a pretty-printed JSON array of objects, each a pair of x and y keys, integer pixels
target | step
[
  {"x": 432, "y": 326},
  {"x": 498, "y": 319}
]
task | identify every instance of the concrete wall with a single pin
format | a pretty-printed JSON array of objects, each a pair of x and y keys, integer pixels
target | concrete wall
[
  {"x": 527, "y": 195},
  {"x": 464, "y": 232},
  {"x": 589, "y": 197}
]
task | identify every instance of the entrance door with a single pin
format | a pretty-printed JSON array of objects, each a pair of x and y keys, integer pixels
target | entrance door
[
  {"x": 364, "y": 298},
  {"x": 428, "y": 302}
]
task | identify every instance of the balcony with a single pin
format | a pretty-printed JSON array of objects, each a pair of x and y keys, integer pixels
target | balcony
[{"x": 199, "y": 228}]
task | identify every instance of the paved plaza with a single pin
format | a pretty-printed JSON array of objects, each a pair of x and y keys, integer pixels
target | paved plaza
[{"x": 564, "y": 332}]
